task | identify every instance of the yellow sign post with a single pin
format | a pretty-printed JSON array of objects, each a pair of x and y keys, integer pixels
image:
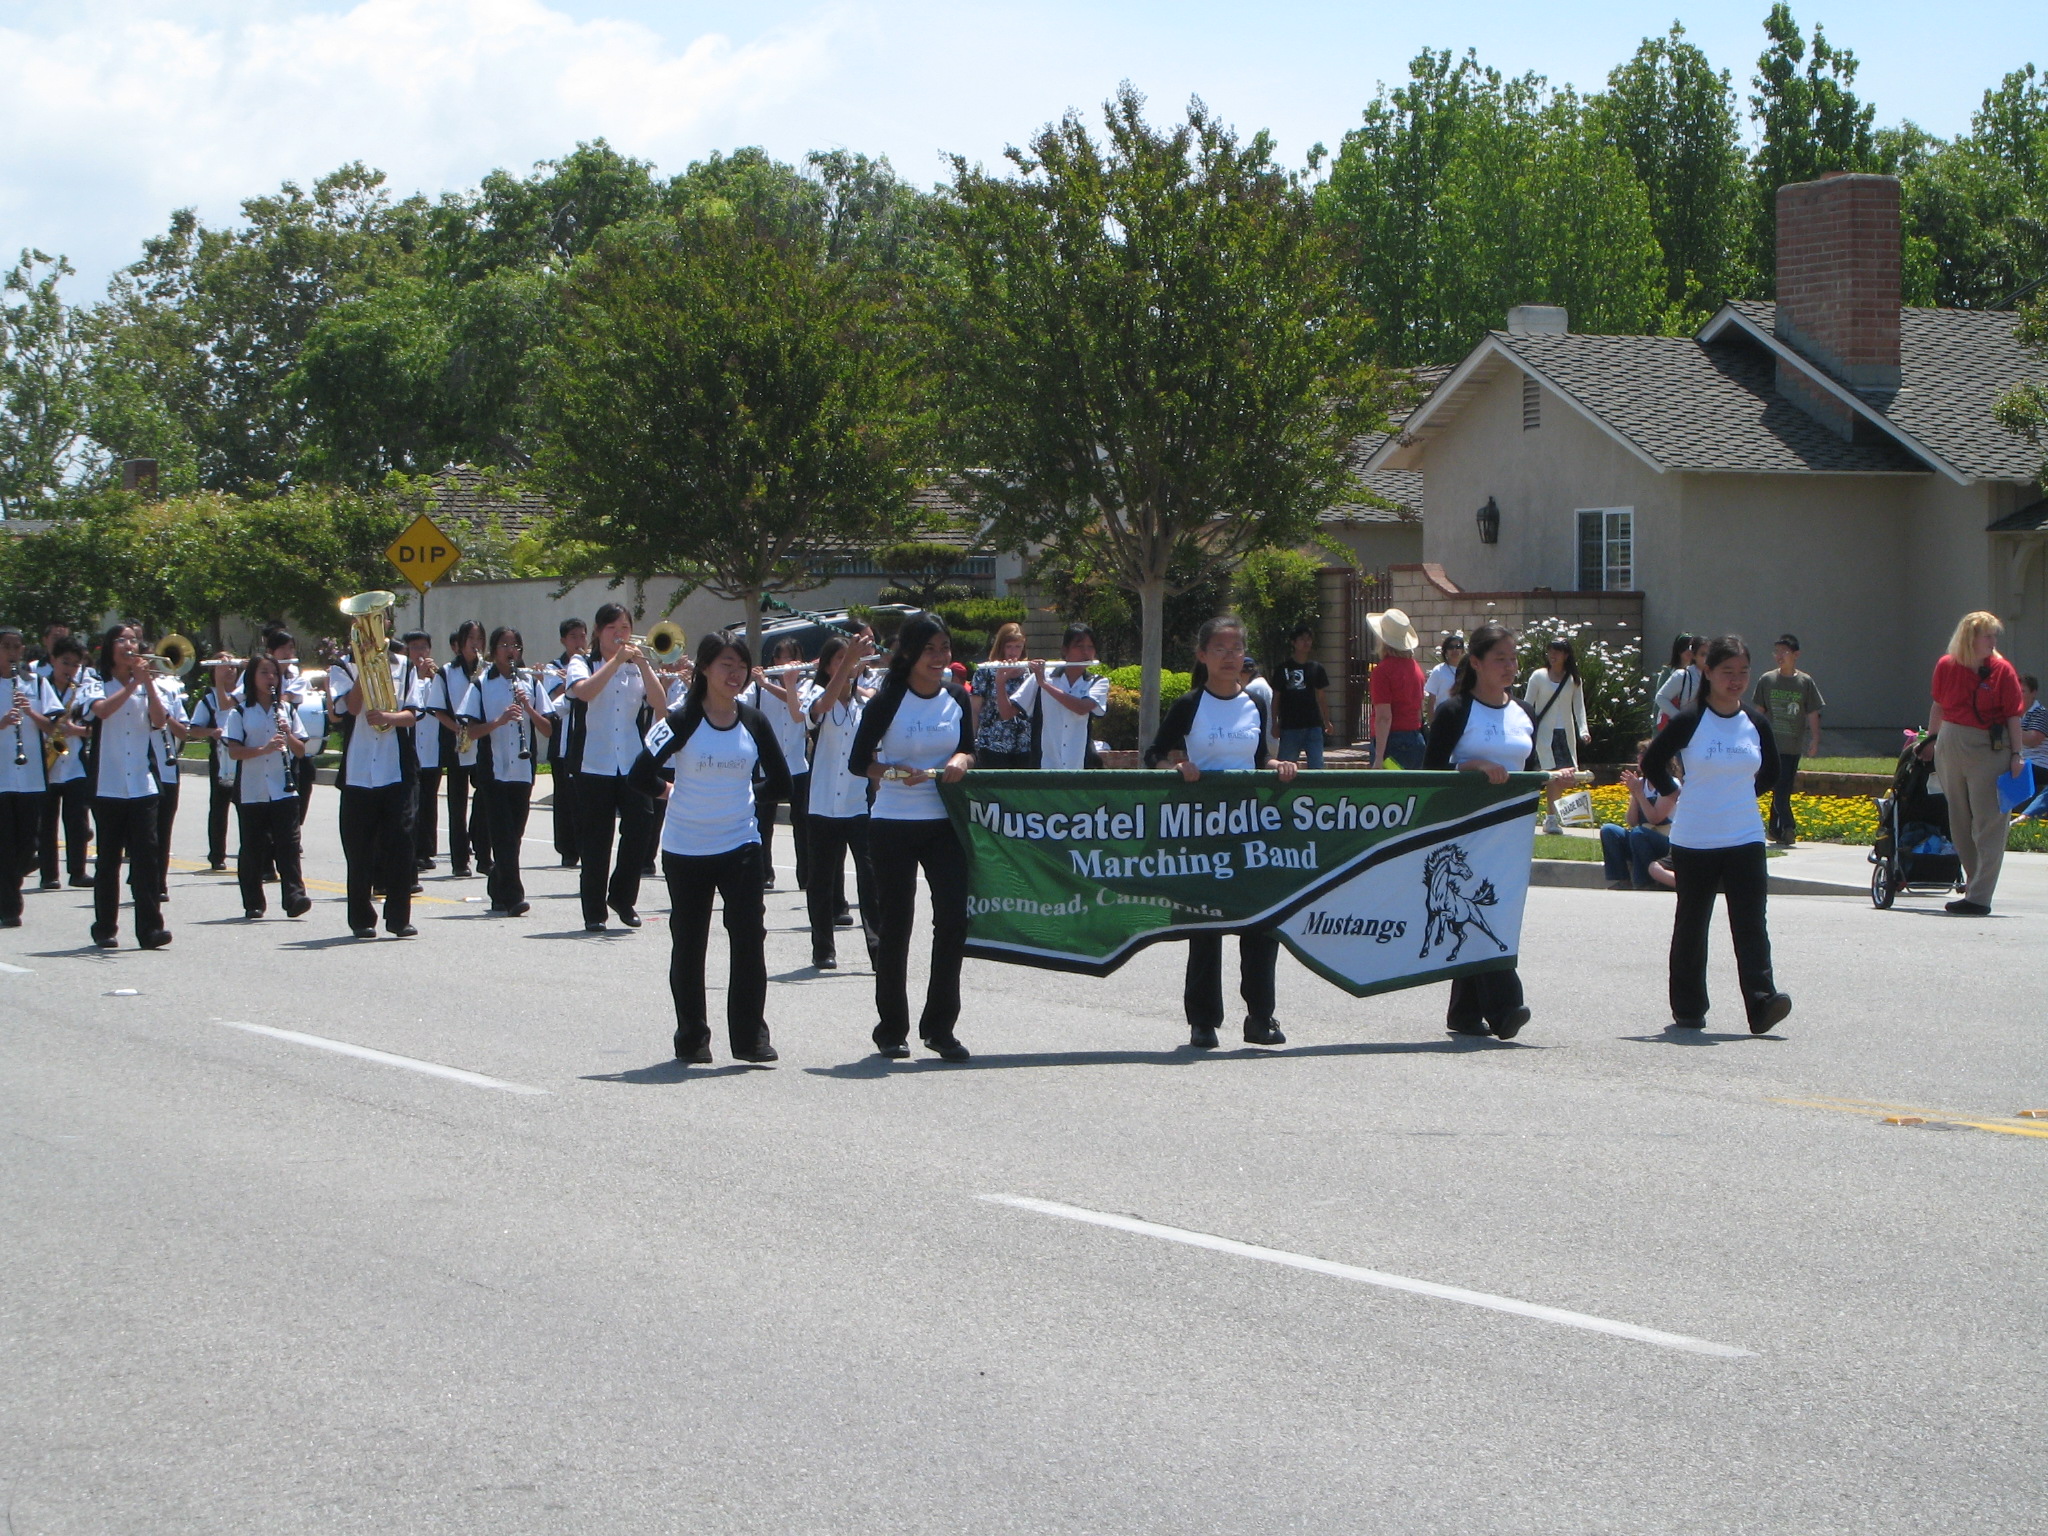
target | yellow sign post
[{"x": 423, "y": 553}]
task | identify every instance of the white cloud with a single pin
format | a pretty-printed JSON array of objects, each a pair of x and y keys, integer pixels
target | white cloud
[{"x": 123, "y": 112}]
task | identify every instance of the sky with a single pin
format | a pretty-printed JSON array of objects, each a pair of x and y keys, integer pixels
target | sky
[{"x": 113, "y": 113}]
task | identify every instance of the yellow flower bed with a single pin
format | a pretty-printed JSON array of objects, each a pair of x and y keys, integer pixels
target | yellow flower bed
[{"x": 1825, "y": 819}]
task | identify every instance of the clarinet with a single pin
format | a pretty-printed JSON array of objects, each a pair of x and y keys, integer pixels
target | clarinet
[
  {"x": 20, "y": 746},
  {"x": 522, "y": 690}
]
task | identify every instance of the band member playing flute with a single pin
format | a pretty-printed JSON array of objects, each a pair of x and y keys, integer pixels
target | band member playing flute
[
  {"x": 125, "y": 719},
  {"x": 837, "y": 822},
  {"x": 614, "y": 692}
]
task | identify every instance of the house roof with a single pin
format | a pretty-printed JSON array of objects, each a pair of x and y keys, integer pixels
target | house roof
[
  {"x": 1401, "y": 489},
  {"x": 2028, "y": 519},
  {"x": 1954, "y": 364},
  {"x": 471, "y": 496}
]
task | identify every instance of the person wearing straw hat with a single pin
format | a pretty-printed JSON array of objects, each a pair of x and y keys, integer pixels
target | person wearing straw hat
[{"x": 1396, "y": 689}]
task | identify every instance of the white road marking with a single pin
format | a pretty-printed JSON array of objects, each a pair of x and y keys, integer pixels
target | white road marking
[
  {"x": 15, "y": 970},
  {"x": 1373, "y": 1277},
  {"x": 363, "y": 1052}
]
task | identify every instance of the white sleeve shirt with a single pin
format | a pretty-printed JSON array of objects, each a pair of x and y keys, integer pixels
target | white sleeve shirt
[
  {"x": 264, "y": 778},
  {"x": 611, "y": 721},
  {"x": 26, "y": 778},
  {"x": 1062, "y": 734},
  {"x": 126, "y": 751}
]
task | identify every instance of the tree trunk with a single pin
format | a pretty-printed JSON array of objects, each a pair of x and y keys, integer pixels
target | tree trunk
[
  {"x": 1151, "y": 642},
  {"x": 753, "y": 601}
]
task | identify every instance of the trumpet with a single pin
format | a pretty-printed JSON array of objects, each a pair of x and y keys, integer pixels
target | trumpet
[{"x": 664, "y": 644}]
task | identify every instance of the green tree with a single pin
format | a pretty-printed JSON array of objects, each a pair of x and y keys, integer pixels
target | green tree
[
  {"x": 44, "y": 447},
  {"x": 73, "y": 572},
  {"x": 2024, "y": 409},
  {"x": 1674, "y": 116},
  {"x": 1149, "y": 355},
  {"x": 1976, "y": 209},
  {"x": 725, "y": 406},
  {"x": 1810, "y": 122},
  {"x": 1275, "y": 591}
]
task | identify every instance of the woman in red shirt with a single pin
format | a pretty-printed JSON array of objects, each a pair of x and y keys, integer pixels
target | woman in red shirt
[
  {"x": 1396, "y": 688},
  {"x": 1974, "y": 724}
]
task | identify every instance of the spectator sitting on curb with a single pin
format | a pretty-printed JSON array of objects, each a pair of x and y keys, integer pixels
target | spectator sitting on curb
[{"x": 1631, "y": 850}]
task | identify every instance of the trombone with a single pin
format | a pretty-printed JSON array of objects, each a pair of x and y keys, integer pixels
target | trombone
[
  {"x": 664, "y": 644},
  {"x": 174, "y": 656}
]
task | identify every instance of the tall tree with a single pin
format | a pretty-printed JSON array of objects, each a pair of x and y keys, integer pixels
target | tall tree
[
  {"x": 44, "y": 449},
  {"x": 1674, "y": 116},
  {"x": 1810, "y": 122},
  {"x": 2023, "y": 411},
  {"x": 725, "y": 405},
  {"x": 1149, "y": 355}
]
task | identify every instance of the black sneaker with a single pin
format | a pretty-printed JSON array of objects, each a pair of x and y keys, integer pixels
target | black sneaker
[
  {"x": 1468, "y": 1029},
  {"x": 364, "y": 933},
  {"x": 81, "y": 882},
  {"x": 824, "y": 962},
  {"x": 459, "y": 872},
  {"x": 51, "y": 885},
  {"x": 1510, "y": 1024},
  {"x": 1263, "y": 1032},
  {"x": 105, "y": 941},
  {"x": 948, "y": 1048},
  {"x": 1771, "y": 1015},
  {"x": 252, "y": 914},
  {"x": 593, "y": 927},
  {"x": 760, "y": 1056},
  {"x": 405, "y": 931},
  {"x": 10, "y": 922},
  {"x": 519, "y": 909},
  {"x": 1964, "y": 908},
  {"x": 1202, "y": 1036},
  {"x": 155, "y": 940},
  {"x": 842, "y": 920},
  {"x": 298, "y": 908},
  {"x": 698, "y": 1055}
]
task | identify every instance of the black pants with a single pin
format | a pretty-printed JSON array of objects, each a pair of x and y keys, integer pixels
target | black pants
[
  {"x": 1742, "y": 875},
  {"x": 220, "y": 801},
  {"x": 898, "y": 850},
  {"x": 565, "y": 814},
  {"x": 504, "y": 808},
  {"x": 830, "y": 839},
  {"x": 426, "y": 817},
  {"x": 72, "y": 803},
  {"x": 1202, "y": 992},
  {"x": 270, "y": 840},
  {"x": 303, "y": 771},
  {"x": 799, "y": 819},
  {"x": 603, "y": 799},
  {"x": 166, "y": 818},
  {"x": 1487, "y": 998},
  {"x": 1783, "y": 827},
  {"x": 466, "y": 835},
  {"x": 376, "y": 838},
  {"x": 21, "y": 821},
  {"x": 735, "y": 878},
  {"x": 126, "y": 829}
]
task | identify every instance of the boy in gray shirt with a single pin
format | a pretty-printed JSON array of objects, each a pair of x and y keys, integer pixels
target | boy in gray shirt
[{"x": 1791, "y": 701}]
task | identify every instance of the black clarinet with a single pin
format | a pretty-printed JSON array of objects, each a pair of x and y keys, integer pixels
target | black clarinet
[{"x": 20, "y": 746}]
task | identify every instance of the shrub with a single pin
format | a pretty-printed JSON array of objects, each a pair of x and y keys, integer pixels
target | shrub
[
  {"x": 1274, "y": 591},
  {"x": 1119, "y": 727},
  {"x": 1617, "y": 691}
]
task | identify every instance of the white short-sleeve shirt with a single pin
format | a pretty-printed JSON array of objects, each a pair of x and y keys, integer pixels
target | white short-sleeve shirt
[
  {"x": 1505, "y": 735},
  {"x": 23, "y": 738},
  {"x": 1224, "y": 735},
  {"x": 446, "y": 690},
  {"x": 792, "y": 735},
  {"x": 1718, "y": 808},
  {"x": 1063, "y": 734},
  {"x": 71, "y": 763},
  {"x": 836, "y": 792},
  {"x": 611, "y": 721},
  {"x": 265, "y": 778},
  {"x": 489, "y": 697},
  {"x": 373, "y": 758},
  {"x": 126, "y": 751}
]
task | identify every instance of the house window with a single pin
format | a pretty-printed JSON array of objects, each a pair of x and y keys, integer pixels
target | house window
[
  {"x": 1607, "y": 550},
  {"x": 1532, "y": 403}
]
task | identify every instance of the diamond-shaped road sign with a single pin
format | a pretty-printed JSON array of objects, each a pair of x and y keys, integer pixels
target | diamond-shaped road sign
[{"x": 423, "y": 553}]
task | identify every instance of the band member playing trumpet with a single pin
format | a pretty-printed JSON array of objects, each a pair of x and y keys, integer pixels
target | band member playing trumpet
[
  {"x": 125, "y": 720},
  {"x": 68, "y": 804},
  {"x": 614, "y": 692},
  {"x": 718, "y": 753},
  {"x": 377, "y": 788},
  {"x": 26, "y": 707},
  {"x": 261, "y": 736},
  {"x": 510, "y": 722}
]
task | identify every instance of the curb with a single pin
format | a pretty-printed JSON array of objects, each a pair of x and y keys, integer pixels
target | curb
[{"x": 1588, "y": 876}]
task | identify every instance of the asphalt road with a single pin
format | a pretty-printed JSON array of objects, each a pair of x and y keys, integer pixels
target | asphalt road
[{"x": 254, "y": 1285}]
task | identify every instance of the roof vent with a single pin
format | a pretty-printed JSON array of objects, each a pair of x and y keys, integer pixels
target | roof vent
[{"x": 1539, "y": 320}]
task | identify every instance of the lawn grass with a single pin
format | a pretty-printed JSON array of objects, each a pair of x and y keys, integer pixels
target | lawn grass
[
  {"x": 1585, "y": 850},
  {"x": 1883, "y": 765}
]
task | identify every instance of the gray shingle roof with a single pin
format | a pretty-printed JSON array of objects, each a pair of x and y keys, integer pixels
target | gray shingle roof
[
  {"x": 1689, "y": 406},
  {"x": 1954, "y": 364},
  {"x": 471, "y": 497},
  {"x": 1402, "y": 487}
]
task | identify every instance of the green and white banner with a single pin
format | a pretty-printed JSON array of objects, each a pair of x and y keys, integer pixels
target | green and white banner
[{"x": 1376, "y": 880}]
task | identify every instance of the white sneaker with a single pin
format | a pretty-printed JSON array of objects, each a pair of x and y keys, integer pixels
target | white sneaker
[{"x": 1552, "y": 825}]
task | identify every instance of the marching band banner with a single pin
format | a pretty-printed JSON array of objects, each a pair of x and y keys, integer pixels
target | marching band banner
[{"x": 1376, "y": 880}]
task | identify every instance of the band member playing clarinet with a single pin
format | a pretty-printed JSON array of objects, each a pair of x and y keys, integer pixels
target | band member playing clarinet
[
  {"x": 916, "y": 731},
  {"x": 377, "y": 789},
  {"x": 717, "y": 754},
  {"x": 509, "y": 718},
  {"x": 260, "y": 733},
  {"x": 26, "y": 708},
  {"x": 612, "y": 691},
  {"x": 125, "y": 720}
]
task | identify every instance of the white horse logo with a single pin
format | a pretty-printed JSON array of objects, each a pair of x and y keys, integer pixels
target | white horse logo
[{"x": 1451, "y": 910}]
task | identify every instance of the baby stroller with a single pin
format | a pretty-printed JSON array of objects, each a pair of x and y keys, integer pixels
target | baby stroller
[{"x": 1913, "y": 855}]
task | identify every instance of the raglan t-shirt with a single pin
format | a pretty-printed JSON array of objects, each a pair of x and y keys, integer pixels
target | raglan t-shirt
[
  {"x": 1503, "y": 734},
  {"x": 1224, "y": 735},
  {"x": 711, "y": 806},
  {"x": 836, "y": 791},
  {"x": 1722, "y": 761},
  {"x": 924, "y": 734}
]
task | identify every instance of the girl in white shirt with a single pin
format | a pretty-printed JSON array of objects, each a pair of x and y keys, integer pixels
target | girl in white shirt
[
  {"x": 125, "y": 720},
  {"x": 510, "y": 724},
  {"x": 837, "y": 819},
  {"x": 716, "y": 753},
  {"x": 1729, "y": 756},
  {"x": 1219, "y": 727},
  {"x": 1556, "y": 699},
  {"x": 917, "y": 731},
  {"x": 1483, "y": 728},
  {"x": 264, "y": 742},
  {"x": 1681, "y": 684}
]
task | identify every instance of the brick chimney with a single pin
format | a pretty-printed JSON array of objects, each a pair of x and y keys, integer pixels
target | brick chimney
[{"x": 1839, "y": 285}]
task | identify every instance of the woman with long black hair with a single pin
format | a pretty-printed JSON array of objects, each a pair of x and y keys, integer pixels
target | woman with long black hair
[
  {"x": 1219, "y": 727},
  {"x": 614, "y": 693},
  {"x": 1555, "y": 697},
  {"x": 1730, "y": 757},
  {"x": 125, "y": 720},
  {"x": 838, "y": 819},
  {"x": 511, "y": 723},
  {"x": 1483, "y": 728},
  {"x": 716, "y": 754},
  {"x": 916, "y": 732},
  {"x": 260, "y": 734}
]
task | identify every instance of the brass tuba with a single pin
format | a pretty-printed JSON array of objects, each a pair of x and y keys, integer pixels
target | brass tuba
[{"x": 370, "y": 641}]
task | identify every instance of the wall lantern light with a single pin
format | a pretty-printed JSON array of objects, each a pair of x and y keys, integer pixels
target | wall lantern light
[{"x": 1489, "y": 522}]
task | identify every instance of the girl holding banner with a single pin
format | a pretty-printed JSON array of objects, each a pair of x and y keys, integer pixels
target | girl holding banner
[
  {"x": 916, "y": 731},
  {"x": 1217, "y": 727},
  {"x": 1483, "y": 728}
]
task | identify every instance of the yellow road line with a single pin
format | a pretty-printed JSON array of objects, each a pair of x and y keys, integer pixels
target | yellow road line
[
  {"x": 331, "y": 887},
  {"x": 1879, "y": 1111}
]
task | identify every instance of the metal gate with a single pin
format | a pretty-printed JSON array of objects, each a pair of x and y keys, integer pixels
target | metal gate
[{"x": 1369, "y": 593}]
